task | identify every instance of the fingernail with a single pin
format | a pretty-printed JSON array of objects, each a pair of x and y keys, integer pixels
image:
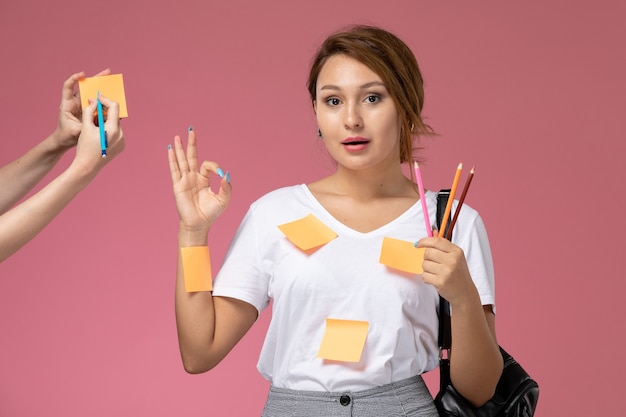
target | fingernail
[
  {"x": 189, "y": 129},
  {"x": 169, "y": 146},
  {"x": 228, "y": 177},
  {"x": 220, "y": 172},
  {"x": 415, "y": 244}
]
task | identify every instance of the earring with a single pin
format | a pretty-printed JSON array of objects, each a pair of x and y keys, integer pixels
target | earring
[{"x": 319, "y": 133}]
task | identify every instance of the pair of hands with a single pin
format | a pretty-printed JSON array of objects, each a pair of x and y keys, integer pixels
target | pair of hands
[{"x": 77, "y": 127}]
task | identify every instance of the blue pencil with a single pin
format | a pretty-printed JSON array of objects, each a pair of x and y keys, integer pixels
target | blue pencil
[{"x": 103, "y": 137}]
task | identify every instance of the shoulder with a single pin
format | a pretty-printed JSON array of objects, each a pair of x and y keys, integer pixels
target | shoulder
[
  {"x": 469, "y": 223},
  {"x": 468, "y": 215},
  {"x": 469, "y": 230},
  {"x": 283, "y": 204},
  {"x": 280, "y": 196},
  {"x": 277, "y": 207}
]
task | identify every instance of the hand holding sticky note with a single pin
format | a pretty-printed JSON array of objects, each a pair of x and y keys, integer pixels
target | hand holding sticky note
[{"x": 110, "y": 86}]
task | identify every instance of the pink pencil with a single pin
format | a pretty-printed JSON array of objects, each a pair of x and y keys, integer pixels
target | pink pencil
[{"x": 420, "y": 189}]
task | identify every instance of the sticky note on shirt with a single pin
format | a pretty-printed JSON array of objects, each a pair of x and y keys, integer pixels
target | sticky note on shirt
[
  {"x": 402, "y": 255},
  {"x": 343, "y": 340},
  {"x": 110, "y": 86},
  {"x": 308, "y": 232}
]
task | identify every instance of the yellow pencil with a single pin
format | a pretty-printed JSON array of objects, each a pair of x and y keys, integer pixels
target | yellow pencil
[{"x": 446, "y": 214}]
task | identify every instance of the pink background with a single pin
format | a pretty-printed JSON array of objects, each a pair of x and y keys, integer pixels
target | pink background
[{"x": 533, "y": 95}]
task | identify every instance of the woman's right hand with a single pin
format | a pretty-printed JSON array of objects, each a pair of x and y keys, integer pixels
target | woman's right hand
[{"x": 198, "y": 206}]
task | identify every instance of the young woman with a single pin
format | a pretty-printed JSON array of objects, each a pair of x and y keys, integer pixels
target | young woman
[{"x": 367, "y": 94}]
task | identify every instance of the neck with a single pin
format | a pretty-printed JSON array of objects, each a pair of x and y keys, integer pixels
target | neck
[{"x": 364, "y": 185}]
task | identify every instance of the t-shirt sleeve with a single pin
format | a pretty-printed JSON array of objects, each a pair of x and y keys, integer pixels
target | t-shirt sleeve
[
  {"x": 242, "y": 275},
  {"x": 475, "y": 244}
]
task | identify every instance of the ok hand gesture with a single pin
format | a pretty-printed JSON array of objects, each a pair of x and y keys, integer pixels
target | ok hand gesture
[{"x": 198, "y": 206}]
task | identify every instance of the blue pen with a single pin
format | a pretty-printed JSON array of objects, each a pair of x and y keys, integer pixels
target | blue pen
[{"x": 103, "y": 134}]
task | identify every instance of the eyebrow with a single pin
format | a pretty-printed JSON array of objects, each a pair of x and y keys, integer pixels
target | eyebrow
[{"x": 363, "y": 87}]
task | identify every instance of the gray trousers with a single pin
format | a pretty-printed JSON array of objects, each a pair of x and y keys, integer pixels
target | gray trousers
[{"x": 406, "y": 398}]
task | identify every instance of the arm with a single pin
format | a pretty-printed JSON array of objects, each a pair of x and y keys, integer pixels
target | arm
[
  {"x": 475, "y": 359},
  {"x": 208, "y": 327},
  {"x": 20, "y": 176},
  {"x": 20, "y": 224}
]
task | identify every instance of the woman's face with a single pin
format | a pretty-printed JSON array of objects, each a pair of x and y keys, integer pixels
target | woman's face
[{"x": 356, "y": 115}]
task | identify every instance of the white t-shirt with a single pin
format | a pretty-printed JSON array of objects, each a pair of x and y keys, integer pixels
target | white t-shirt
[{"x": 343, "y": 280}]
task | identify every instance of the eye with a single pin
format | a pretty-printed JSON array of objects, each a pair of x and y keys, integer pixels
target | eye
[
  {"x": 333, "y": 101},
  {"x": 374, "y": 98}
]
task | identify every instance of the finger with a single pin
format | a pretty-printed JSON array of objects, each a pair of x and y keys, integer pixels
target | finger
[
  {"x": 426, "y": 242},
  {"x": 430, "y": 279},
  {"x": 106, "y": 71},
  {"x": 192, "y": 151},
  {"x": 117, "y": 140},
  {"x": 113, "y": 111},
  {"x": 68, "y": 85},
  {"x": 89, "y": 110},
  {"x": 209, "y": 167},
  {"x": 225, "y": 188},
  {"x": 439, "y": 243},
  {"x": 434, "y": 256},
  {"x": 181, "y": 159},
  {"x": 171, "y": 156}
]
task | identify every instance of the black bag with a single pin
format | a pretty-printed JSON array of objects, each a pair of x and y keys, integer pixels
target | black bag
[{"x": 516, "y": 393}]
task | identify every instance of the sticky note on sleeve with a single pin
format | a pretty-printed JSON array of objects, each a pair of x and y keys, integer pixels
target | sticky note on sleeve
[
  {"x": 402, "y": 255},
  {"x": 110, "y": 86},
  {"x": 308, "y": 232}
]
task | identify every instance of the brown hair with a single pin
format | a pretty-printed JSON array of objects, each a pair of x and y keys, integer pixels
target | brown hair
[{"x": 390, "y": 58}]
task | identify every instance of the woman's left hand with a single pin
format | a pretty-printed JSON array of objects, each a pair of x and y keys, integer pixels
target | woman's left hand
[
  {"x": 446, "y": 269},
  {"x": 70, "y": 111}
]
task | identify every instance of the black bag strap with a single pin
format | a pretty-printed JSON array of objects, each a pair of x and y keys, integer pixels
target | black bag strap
[{"x": 445, "y": 332}]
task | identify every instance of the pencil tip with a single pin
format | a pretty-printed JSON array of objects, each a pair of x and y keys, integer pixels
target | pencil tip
[
  {"x": 472, "y": 170},
  {"x": 460, "y": 165}
]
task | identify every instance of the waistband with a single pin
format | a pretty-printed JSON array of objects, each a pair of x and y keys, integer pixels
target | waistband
[{"x": 414, "y": 381}]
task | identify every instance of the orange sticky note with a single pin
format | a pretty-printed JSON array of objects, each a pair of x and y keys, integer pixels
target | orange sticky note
[
  {"x": 110, "y": 86},
  {"x": 197, "y": 268},
  {"x": 308, "y": 232},
  {"x": 402, "y": 255},
  {"x": 343, "y": 340}
]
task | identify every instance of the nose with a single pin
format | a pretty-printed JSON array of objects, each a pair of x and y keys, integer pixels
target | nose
[{"x": 352, "y": 117}]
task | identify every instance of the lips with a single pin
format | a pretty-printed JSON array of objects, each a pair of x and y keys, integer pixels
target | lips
[
  {"x": 355, "y": 144},
  {"x": 353, "y": 141}
]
